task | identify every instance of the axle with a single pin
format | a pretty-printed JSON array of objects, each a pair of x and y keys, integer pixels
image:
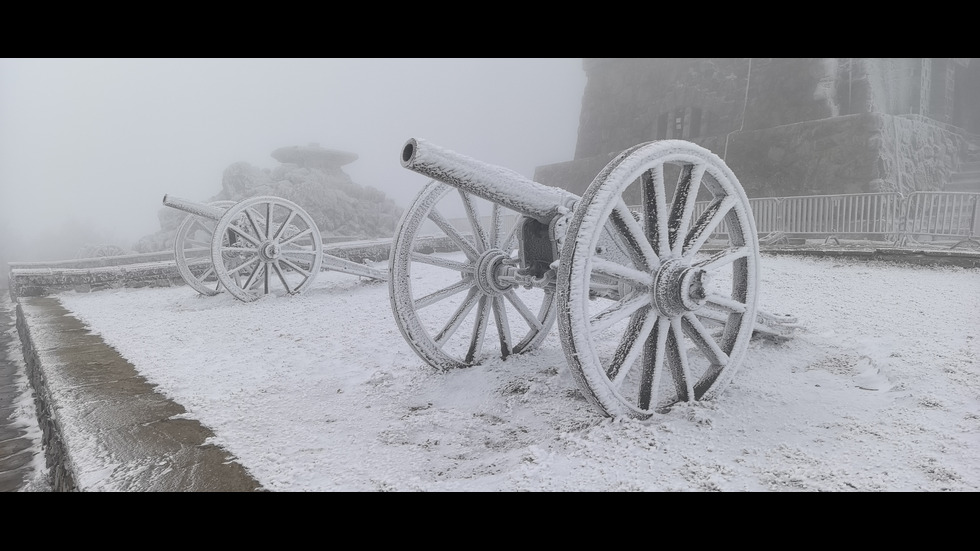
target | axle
[{"x": 493, "y": 183}]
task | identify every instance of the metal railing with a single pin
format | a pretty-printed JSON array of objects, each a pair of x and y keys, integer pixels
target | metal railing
[
  {"x": 941, "y": 215},
  {"x": 866, "y": 214},
  {"x": 938, "y": 216},
  {"x": 891, "y": 217}
]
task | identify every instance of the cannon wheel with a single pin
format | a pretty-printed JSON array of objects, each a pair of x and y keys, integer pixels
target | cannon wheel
[
  {"x": 449, "y": 306},
  {"x": 266, "y": 245},
  {"x": 192, "y": 249},
  {"x": 635, "y": 284}
]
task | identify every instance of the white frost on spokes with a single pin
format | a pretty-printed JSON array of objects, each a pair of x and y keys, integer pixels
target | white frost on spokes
[{"x": 587, "y": 349}]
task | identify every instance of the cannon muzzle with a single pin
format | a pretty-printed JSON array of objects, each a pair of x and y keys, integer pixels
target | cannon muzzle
[
  {"x": 191, "y": 207},
  {"x": 493, "y": 183}
]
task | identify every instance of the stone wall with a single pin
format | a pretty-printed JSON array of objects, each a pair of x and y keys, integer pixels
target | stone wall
[
  {"x": 784, "y": 126},
  {"x": 830, "y": 156},
  {"x": 30, "y": 279},
  {"x": 56, "y": 457},
  {"x": 626, "y": 101},
  {"x": 27, "y": 282},
  {"x": 850, "y": 154},
  {"x": 574, "y": 176},
  {"x": 923, "y": 155}
]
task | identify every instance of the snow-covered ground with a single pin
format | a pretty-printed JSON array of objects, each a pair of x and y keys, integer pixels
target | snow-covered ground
[{"x": 879, "y": 390}]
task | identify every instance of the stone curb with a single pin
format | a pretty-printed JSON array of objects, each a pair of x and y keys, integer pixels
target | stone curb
[{"x": 91, "y": 402}]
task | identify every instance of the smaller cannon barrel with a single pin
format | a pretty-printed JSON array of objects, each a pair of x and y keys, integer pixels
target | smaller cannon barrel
[
  {"x": 191, "y": 207},
  {"x": 493, "y": 183}
]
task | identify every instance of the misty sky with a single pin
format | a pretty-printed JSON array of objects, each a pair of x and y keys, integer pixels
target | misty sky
[{"x": 96, "y": 143}]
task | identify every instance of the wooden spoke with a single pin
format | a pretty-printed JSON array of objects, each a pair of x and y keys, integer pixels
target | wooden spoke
[
  {"x": 677, "y": 361},
  {"x": 454, "y": 234},
  {"x": 703, "y": 339},
  {"x": 255, "y": 225},
  {"x": 292, "y": 265},
  {"x": 712, "y": 216},
  {"x": 238, "y": 268},
  {"x": 251, "y": 277},
  {"x": 503, "y": 326},
  {"x": 682, "y": 208},
  {"x": 304, "y": 233},
  {"x": 722, "y": 258},
  {"x": 654, "y": 360},
  {"x": 532, "y": 320},
  {"x": 633, "y": 313},
  {"x": 479, "y": 330},
  {"x": 457, "y": 318},
  {"x": 654, "y": 203},
  {"x": 479, "y": 236},
  {"x": 446, "y": 327},
  {"x": 282, "y": 277},
  {"x": 301, "y": 253},
  {"x": 621, "y": 219},
  {"x": 630, "y": 345},
  {"x": 443, "y": 293},
  {"x": 618, "y": 271},
  {"x": 442, "y": 262},
  {"x": 241, "y": 233},
  {"x": 285, "y": 224}
]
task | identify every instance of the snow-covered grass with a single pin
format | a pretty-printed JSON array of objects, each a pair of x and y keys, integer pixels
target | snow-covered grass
[{"x": 879, "y": 390}]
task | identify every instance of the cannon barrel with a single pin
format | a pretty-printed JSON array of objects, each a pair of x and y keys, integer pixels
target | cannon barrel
[
  {"x": 493, "y": 183},
  {"x": 200, "y": 209}
]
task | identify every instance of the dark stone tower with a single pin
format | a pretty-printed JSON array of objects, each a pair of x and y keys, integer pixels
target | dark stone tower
[{"x": 787, "y": 126}]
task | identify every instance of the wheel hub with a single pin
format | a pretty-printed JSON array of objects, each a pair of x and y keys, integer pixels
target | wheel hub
[
  {"x": 270, "y": 251},
  {"x": 488, "y": 269},
  {"x": 678, "y": 288}
]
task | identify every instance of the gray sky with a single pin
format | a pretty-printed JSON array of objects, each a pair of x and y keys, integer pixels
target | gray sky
[{"x": 96, "y": 143}]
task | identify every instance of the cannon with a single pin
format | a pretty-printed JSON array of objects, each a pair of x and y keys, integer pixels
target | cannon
[
  {"x": 254, "y": 247},
  {"x": 650, "y": 311}
]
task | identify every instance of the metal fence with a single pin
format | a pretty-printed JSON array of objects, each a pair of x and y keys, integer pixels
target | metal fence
[
  {"x": 891, "y": 217},
  {"x": 937, "y": 216},
  {"x": 876, "y": 215}
]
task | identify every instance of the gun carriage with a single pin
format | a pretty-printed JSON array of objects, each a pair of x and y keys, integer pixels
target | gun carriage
[
  {"x": 648, "y": 313},
  {"x": 262, "y": 245}
]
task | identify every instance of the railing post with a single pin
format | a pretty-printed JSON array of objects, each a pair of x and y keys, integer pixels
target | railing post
[
  {"x": 973, "y": 226},
  {"x": 780, "y": 218}
]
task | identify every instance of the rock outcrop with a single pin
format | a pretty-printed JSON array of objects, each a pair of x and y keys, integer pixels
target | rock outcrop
[{"x": 310, "y": 176}]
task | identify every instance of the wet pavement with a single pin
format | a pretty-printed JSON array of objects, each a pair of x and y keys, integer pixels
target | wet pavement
[
  {"x": 103, "y": 426},
  {"x": 22, "y": 463}
]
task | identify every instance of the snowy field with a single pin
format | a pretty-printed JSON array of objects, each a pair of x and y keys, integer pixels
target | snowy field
[{"x": 879, "y": 390}]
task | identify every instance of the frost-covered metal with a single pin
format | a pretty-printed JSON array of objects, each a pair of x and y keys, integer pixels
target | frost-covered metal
[
  {"x": 254, "y": 247},
  {"x": 653, "y": 305},
  {"x": 493, "y": 183}
]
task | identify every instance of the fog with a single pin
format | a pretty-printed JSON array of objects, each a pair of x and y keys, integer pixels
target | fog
[{"x": 89, "y": 147}]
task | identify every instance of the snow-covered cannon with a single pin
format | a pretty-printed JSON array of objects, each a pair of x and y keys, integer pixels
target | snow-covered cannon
[
  {"x": 649, "y": 314},
  {"x": 258, "y": 246}
]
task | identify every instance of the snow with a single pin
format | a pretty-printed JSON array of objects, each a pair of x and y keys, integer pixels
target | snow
[
  {"x": 497, "y": 184},
  {"x": 879, "y": 390}
]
